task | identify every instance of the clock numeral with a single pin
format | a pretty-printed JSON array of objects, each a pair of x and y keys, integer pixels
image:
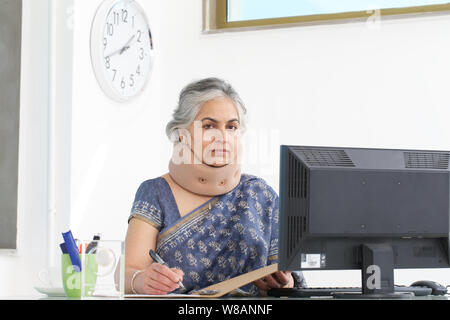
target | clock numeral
[
  {"x": 141, "y": 56},
  {"x": 132, "y": 21},
  {"x": 131, "y": 80},
  {"x": 107, "y": 63},
  {"x": 124, "y": 15},
  {"x": 122, "y": 83},
  {"x": 114, "y": 76},
  {"x": 105, "y": 42},
  {"x": 139, "y": 35},
  {"x": 138, "y": 70},
  {"x": 116, "y": 18},
  {"x": 110, "y": 29}
]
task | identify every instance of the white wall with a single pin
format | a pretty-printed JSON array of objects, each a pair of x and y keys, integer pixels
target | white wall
[
  {"x": 114, "y": 146},
  {"x": 333, "y": 85}
]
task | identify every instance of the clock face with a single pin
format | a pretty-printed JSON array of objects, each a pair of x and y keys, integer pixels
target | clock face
[{"x": 121, "y": 49}]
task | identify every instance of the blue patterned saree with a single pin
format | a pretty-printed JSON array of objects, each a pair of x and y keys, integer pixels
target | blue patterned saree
[{"x": 229, "y": 235}]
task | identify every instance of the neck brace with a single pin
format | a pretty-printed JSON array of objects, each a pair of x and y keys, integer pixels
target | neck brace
[{"x": 195, "y": 176}]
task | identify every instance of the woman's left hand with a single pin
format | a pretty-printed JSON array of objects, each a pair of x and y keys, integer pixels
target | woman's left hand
[{"x": 279, "y": 279}]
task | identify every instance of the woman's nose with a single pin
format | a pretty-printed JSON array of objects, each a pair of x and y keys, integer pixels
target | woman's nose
[{"x": 220, "y": 135}]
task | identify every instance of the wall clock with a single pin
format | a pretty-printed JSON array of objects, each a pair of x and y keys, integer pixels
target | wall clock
[{"x": 121, "y": 49}]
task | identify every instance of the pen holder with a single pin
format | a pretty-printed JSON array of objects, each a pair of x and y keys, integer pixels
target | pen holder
[{"x": 74, "y": 280}]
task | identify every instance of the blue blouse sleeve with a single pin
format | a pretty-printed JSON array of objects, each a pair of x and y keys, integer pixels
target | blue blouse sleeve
[
  {"x": 146, "y": 206},
  {"x": 273, "y": 247}
]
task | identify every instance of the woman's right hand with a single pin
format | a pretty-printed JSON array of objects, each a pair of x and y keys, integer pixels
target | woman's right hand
[{"x": 158, "y": 279}]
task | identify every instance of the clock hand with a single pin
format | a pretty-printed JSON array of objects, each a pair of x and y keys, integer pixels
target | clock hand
[
  {"x": 127, "y": 45},
  {"x": 123, "y": 49}
]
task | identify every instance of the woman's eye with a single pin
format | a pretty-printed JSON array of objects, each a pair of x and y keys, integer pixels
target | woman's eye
[{"x": 210, "y": 126}]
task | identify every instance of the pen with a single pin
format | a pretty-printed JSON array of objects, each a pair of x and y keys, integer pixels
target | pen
[
  {"x": 63, "y": 248},
  {"x": 72, "y": 250},
  {"x": 81, "y": 248},
  {"x": 91, "y": 248},
  {"x": 159, "y": 260}
]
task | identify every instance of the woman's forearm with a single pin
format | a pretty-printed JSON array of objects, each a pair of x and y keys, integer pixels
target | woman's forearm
[{"x": 129, "y": 272}]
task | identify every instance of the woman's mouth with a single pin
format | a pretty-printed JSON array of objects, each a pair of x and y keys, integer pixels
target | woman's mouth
[{"x": 219, "y": 152}]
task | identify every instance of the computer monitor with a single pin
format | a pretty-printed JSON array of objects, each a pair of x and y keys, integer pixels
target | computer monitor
[{"x": 370, "y": 209}]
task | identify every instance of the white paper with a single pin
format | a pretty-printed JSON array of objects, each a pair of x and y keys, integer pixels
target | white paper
[{"x": 169, "y": 295}]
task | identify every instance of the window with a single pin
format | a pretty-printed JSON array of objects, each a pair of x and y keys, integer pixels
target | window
[{"x": 226, "y": 14}]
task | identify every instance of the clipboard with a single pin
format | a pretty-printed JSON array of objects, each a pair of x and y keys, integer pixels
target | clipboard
[{"x": 219, "y": 289}]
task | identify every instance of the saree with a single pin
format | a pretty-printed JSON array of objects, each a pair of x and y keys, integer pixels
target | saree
[{"x": 228, "y": 235}]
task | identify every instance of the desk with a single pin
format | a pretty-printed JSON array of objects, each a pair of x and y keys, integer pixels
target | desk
[{"x": 43, "y": 297}]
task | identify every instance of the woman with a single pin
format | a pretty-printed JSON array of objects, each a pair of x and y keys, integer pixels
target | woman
[{"x": 208, "y": 221}]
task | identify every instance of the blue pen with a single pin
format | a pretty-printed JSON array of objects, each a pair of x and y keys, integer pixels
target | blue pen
[
  {"x": 63, "y": 248},
  {"x": 72, "y": 250}
]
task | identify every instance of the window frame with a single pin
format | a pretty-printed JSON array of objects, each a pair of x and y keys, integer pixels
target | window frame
[{"x": 215, "y": 16}]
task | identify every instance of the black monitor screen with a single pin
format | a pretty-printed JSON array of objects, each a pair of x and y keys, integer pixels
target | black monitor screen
[{"x": 368, "y": 209}]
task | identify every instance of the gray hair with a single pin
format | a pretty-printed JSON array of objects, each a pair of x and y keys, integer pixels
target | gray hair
[{"x": 193, "y": 96}]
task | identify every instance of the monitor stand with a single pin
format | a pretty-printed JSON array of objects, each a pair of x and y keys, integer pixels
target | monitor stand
[{"x": 377, "y": 274}]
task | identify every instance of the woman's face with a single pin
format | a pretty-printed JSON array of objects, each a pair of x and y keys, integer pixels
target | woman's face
[{"x": 215, "y": 132}]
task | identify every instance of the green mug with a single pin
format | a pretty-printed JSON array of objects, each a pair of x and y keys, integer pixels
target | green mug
[{"x": 72, "y": 279}]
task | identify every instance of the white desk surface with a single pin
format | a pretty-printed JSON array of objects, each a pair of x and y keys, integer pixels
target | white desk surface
[{"x": 44, "y": 297}]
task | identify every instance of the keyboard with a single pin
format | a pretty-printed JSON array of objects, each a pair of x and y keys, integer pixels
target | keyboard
[{"x": 330, "y": 291}]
